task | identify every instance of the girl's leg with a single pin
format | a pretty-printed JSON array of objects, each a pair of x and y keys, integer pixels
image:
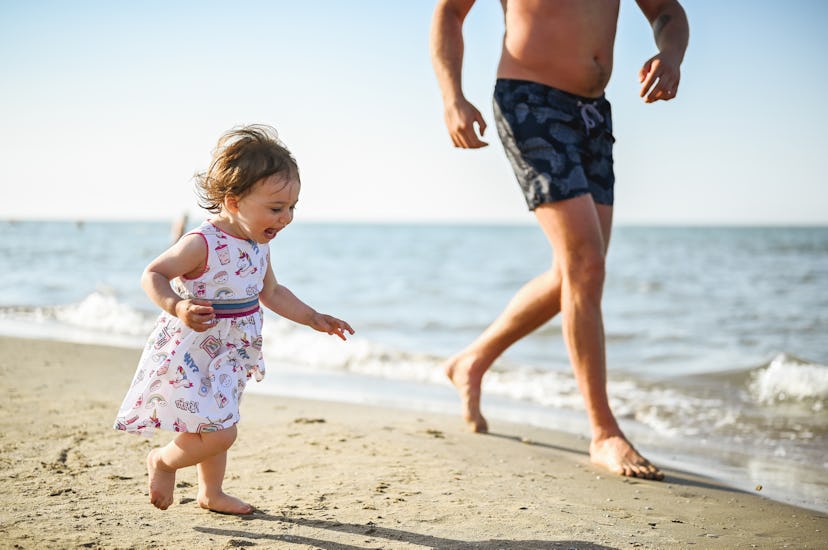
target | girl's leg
[
  {"x": 185, "y": 450},
  {"x": 210, "y": 494}
]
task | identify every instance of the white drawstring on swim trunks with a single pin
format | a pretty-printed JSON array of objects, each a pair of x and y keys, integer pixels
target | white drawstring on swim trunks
[{"x": 588, "y": 111}]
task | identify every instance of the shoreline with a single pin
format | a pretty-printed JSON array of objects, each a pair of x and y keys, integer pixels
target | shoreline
[
  {"x": 337, "y": 475},
  {"x": 798, "y": 484}
]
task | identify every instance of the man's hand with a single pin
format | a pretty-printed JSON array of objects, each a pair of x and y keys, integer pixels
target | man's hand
[
  {"x": 461, "y": 118},
  {"x": 660, "y": 79},
  {"x": 661, "y": 73}
]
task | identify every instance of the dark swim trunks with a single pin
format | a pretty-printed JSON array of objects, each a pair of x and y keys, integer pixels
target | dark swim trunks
[{"x": 559, "y": 144}]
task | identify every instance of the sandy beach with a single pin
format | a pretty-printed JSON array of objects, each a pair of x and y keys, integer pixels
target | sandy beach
[{"x": 338, "y": 476}]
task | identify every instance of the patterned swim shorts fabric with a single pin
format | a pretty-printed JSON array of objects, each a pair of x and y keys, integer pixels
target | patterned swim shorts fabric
[{"x": 559, "y": 144}]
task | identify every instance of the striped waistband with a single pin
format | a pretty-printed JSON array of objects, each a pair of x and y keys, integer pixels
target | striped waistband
[{"x": 235, "y": 308}]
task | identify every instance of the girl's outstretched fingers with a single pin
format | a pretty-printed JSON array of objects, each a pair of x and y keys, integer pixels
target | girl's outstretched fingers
[
  {"x": 342, "y": 328},
  {"x": 339, "y": 330},
  {"x": 331, "y": 325}
]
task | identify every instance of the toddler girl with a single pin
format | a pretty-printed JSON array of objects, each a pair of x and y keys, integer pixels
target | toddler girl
[{"x": 207, "y": 342}]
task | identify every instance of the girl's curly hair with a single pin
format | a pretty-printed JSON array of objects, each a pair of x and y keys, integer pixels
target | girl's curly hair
[{"x": 243, "y": 156}]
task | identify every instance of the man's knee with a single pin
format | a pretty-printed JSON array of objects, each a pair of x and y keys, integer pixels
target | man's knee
[{"x": 586, "y": 272}]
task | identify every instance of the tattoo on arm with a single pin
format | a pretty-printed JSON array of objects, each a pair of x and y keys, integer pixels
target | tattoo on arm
[{"x": 660, "y": 23}]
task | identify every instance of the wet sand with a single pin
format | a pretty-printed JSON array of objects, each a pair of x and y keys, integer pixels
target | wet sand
[{"x": 338, "y": 476}]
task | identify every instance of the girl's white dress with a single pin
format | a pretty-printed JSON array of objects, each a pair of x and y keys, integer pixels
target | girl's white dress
[{"x": 189, "y": 381}]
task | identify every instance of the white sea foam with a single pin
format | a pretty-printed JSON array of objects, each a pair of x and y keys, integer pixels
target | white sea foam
[
  {"x": 285, "y": 342},
  {"x": 789, "y": 379},
  {"x": 101, "y": 317},
  {"x": 98, "y": 319},
  {"x": 102, "y": 312}
]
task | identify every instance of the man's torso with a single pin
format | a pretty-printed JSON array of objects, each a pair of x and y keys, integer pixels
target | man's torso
[{"x": 566, "y": 44}]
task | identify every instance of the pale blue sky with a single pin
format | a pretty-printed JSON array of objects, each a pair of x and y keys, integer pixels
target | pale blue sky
[{"x": 108, "y": 108}]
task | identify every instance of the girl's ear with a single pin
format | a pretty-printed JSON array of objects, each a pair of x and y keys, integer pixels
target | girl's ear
[{"x": 231, "y": 203}]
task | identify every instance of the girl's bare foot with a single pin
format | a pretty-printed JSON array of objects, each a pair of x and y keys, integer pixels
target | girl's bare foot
[
  {"x": 617, "y": 455},
  {"x": 459, "y": 370},
  {"x": 161, "y": 481},
  {"x": 224, "y": 504}
]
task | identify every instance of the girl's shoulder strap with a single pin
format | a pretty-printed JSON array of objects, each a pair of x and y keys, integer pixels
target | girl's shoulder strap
[{"x": 204, "y": 228}]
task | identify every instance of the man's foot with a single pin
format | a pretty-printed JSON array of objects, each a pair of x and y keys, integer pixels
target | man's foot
[
  {"x": 224, "y": 504},
  {"x": 161, "y": 481},
  {"x": 617, "y": 455},
  {"x": 459, "y": 370}
]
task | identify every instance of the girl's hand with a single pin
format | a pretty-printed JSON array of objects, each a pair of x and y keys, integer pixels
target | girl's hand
[
  {"x": 196, "y": 314},
  {"x": 331, "y": 325}
]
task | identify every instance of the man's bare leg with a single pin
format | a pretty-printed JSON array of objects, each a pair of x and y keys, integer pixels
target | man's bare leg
[
  {"x": 187, "y": 449},
  {"x": 532, "y": 306},
  {"x": 576, "y": 229}
]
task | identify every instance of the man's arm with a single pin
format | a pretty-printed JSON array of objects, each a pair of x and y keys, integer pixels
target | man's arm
[
  {"x": 661, "y": 74},
  {"x": 446, "y": 45}
]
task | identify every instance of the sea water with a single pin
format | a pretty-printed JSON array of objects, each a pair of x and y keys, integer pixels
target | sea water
[{"x": 717, "y": 338}]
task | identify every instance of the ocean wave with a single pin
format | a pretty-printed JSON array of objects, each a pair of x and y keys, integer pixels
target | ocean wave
[
  {"x": 285, "y": 342},
  {"x": 103, "y": 312},
  {"x": 790, "y": 379},
  {"x": 782, "y": 400},
  {"x": 99, "y": 312}
]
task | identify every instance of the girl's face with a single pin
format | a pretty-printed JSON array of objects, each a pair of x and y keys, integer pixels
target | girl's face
[{"x": 266, "y": 210}]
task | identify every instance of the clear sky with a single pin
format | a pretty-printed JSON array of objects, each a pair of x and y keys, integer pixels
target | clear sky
[{"x": 107, "y": 109}]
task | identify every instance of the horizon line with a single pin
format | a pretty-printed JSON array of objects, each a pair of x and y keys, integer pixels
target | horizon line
[{"x": 445, "y": 222}]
